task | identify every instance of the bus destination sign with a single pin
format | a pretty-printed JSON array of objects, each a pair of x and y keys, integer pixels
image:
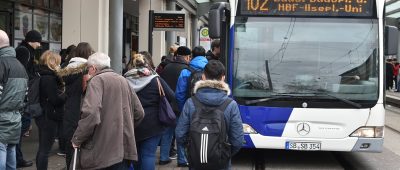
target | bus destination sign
[
  {"x": 326, "y": 8},
  {"x": 163, "y": 21}
]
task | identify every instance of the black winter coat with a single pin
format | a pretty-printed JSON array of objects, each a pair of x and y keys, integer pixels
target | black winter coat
[
  {"x": 52, "y": 97},
  {"x": 150, "y": 98},
  {"x": 72, "y": 78},
  {"x": 26, "y": 55},
  {"x": 172, "y": 71}
]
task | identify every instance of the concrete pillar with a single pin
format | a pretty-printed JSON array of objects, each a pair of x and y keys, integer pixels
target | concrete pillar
[
  {"x": 195, "y": 31},
  {"x": 86, "y": 21},
  {"x": 158, "y": 36},
  {"x": 170, "y": 36},
  {"x": 115, "y": 34}
]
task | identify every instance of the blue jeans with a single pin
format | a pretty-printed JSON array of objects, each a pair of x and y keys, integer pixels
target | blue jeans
[
  {"x": 181, "y": 153},
  {"x": 7, "y": 157},
  {"x": 147, "y": 153},
  {"x": 165, "y": 145}
]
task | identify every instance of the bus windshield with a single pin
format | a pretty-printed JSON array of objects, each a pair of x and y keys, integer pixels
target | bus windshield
[{"x": 301, "y": 56}]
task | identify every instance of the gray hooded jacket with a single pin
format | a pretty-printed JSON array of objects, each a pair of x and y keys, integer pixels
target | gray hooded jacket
[{"x": 13, "y": 88}]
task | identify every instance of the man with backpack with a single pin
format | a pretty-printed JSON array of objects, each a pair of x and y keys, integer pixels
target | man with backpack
[
  {"x": 26, "y": 55},
  {"x": 184, "y": 87},
  {"x": 210, "y": 124},
  {"x": 189, "y": 76}
]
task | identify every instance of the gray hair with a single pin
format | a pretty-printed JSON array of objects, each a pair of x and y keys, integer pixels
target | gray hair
[
  {"x": 4, "y": 40},
  {"x": 99, "y": 60}
]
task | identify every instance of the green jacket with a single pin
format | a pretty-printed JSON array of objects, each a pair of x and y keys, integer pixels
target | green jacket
[{"x": 13, "y": 88}]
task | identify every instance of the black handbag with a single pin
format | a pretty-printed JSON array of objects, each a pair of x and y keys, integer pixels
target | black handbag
[{"x": 166, "y": 115}]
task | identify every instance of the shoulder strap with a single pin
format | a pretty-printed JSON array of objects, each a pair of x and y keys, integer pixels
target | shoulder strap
[
  {"x": 192, "y": 70},
  {"x": 196, "y": 102},
  {"x": 224, "y": 105}
]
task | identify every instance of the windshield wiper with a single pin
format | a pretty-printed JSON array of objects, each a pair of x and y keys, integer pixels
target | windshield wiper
[
  {"x": 349, "y": 102},
  {"x": 280, "y": 96},
  {"x": 248, "y": 102}
]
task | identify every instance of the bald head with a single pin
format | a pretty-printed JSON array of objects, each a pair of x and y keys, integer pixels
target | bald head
[{"x": 4, "y": 41}]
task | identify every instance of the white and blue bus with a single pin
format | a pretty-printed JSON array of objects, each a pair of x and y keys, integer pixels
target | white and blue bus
[{"x": 307, "y": 74}]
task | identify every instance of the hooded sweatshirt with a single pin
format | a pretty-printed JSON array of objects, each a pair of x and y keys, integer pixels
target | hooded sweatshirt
[{"x": 146, "y": 87}]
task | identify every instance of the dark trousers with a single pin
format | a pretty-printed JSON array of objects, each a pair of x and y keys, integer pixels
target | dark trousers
[
  {"x": 124, "y": 165},
  {"x": 61, "y": 137},
  {"x": 47, "y": 131},
  {"x": 26, "y": 123},
  {"x": 69, "y": 151}
]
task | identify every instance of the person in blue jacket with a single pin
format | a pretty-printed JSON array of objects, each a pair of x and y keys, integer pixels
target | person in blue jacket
[
  {"x": 213, "y": 91},
  {"x": 198, "y": 63}
]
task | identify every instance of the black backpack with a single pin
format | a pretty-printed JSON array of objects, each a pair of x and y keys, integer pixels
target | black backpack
[
  {"x": 208, "y": 146},
  {"x": 33, "y": 106},
  {"x": 195, "y": 76}
]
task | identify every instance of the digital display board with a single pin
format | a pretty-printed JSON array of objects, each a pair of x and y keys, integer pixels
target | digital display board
[
  {"x": 169, "y": 21},
  {"x": 325, "y": 8}
]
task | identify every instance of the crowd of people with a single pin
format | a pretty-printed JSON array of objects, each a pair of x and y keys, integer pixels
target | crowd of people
[
  {"x": 392, "y": 75},
  {"x": 115, "y": 121}
]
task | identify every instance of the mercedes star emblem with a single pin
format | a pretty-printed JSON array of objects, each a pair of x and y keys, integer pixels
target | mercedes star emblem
[{"x": 303, "y": 129}]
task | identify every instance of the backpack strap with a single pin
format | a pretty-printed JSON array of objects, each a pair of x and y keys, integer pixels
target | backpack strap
[{"x": 224, "y": 105}]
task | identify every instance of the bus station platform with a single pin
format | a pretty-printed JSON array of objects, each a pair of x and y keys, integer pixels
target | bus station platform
[
  {"x": 56, "y": 162},
  {"x": 393, "y": 98}
]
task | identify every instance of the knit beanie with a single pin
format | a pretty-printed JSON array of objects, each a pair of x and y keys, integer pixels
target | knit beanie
[
  {"x": 33, "y": 36},
  {"x": 183, "y": 50}
]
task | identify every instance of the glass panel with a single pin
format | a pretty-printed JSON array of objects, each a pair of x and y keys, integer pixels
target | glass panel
[
  {"x": 55, "y": 27},
  {"x": 41, "y": 23},
  {"x": 25, "y": 1},
  {"x": 303, "y": 56},
  {"x": 41, "y": 3},
  {"x": 3, "y": 21},
  {"x": 55, "y": 47},
  {"x": 23, "y": 21},
  {"x": 56, "y": 4}
]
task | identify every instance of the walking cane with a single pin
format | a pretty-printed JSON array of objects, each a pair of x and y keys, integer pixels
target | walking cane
[{"x": 75, "y": 155}]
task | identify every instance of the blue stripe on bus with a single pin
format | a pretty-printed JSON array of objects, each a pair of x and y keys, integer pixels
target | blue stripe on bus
[
  {"x": 267, "y": 121},
  {"x": 248, "y": 142},
  {"x": 230, "y": 54}
]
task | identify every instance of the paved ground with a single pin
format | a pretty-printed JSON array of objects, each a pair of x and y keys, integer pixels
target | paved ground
[{"x": 244, "y": 160}]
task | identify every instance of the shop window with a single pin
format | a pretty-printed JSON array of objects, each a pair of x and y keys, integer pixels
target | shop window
[
  {"x": 41, "y": 23},
  {"x": 25, "y": 1},
  {"x": 55, "y": 27},
  {"x": 41, "y": 3},
  {"x": 22, "y": 21},
  {"x": 56, "y": 4}
]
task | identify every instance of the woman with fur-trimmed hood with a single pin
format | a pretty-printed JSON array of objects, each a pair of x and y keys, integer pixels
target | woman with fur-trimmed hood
[{"x": 73, "y": 77}]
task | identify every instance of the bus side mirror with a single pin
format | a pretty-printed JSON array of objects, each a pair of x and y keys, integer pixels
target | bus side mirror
[
  {"x": 391, "y": 40},
  {"x": 216, "y": 18}
]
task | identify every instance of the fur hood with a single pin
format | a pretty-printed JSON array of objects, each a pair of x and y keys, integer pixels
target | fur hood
[
  {"x": 67, "y": 71},
  {"x": 214, "y": 84}
]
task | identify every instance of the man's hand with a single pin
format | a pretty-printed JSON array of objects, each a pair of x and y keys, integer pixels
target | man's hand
[{"x": 75, "y": 146}]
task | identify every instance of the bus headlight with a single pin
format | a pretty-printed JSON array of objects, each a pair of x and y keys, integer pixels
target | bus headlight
[
  {"x": 248, "y": 129},
  {"x": 368, "y": 132}
]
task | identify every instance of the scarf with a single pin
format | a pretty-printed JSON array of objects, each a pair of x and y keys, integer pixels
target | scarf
[{"x": 139, "y": 78}]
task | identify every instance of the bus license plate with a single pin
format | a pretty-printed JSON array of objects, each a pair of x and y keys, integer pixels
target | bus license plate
[{"x": 303, "y": 146}]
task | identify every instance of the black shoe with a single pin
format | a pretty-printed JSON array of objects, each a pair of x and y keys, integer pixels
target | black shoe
[
  {"x": 164, "y": 162},
  {"x": 183, "y": 165},
  {"x": 24, "y": 163}
]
